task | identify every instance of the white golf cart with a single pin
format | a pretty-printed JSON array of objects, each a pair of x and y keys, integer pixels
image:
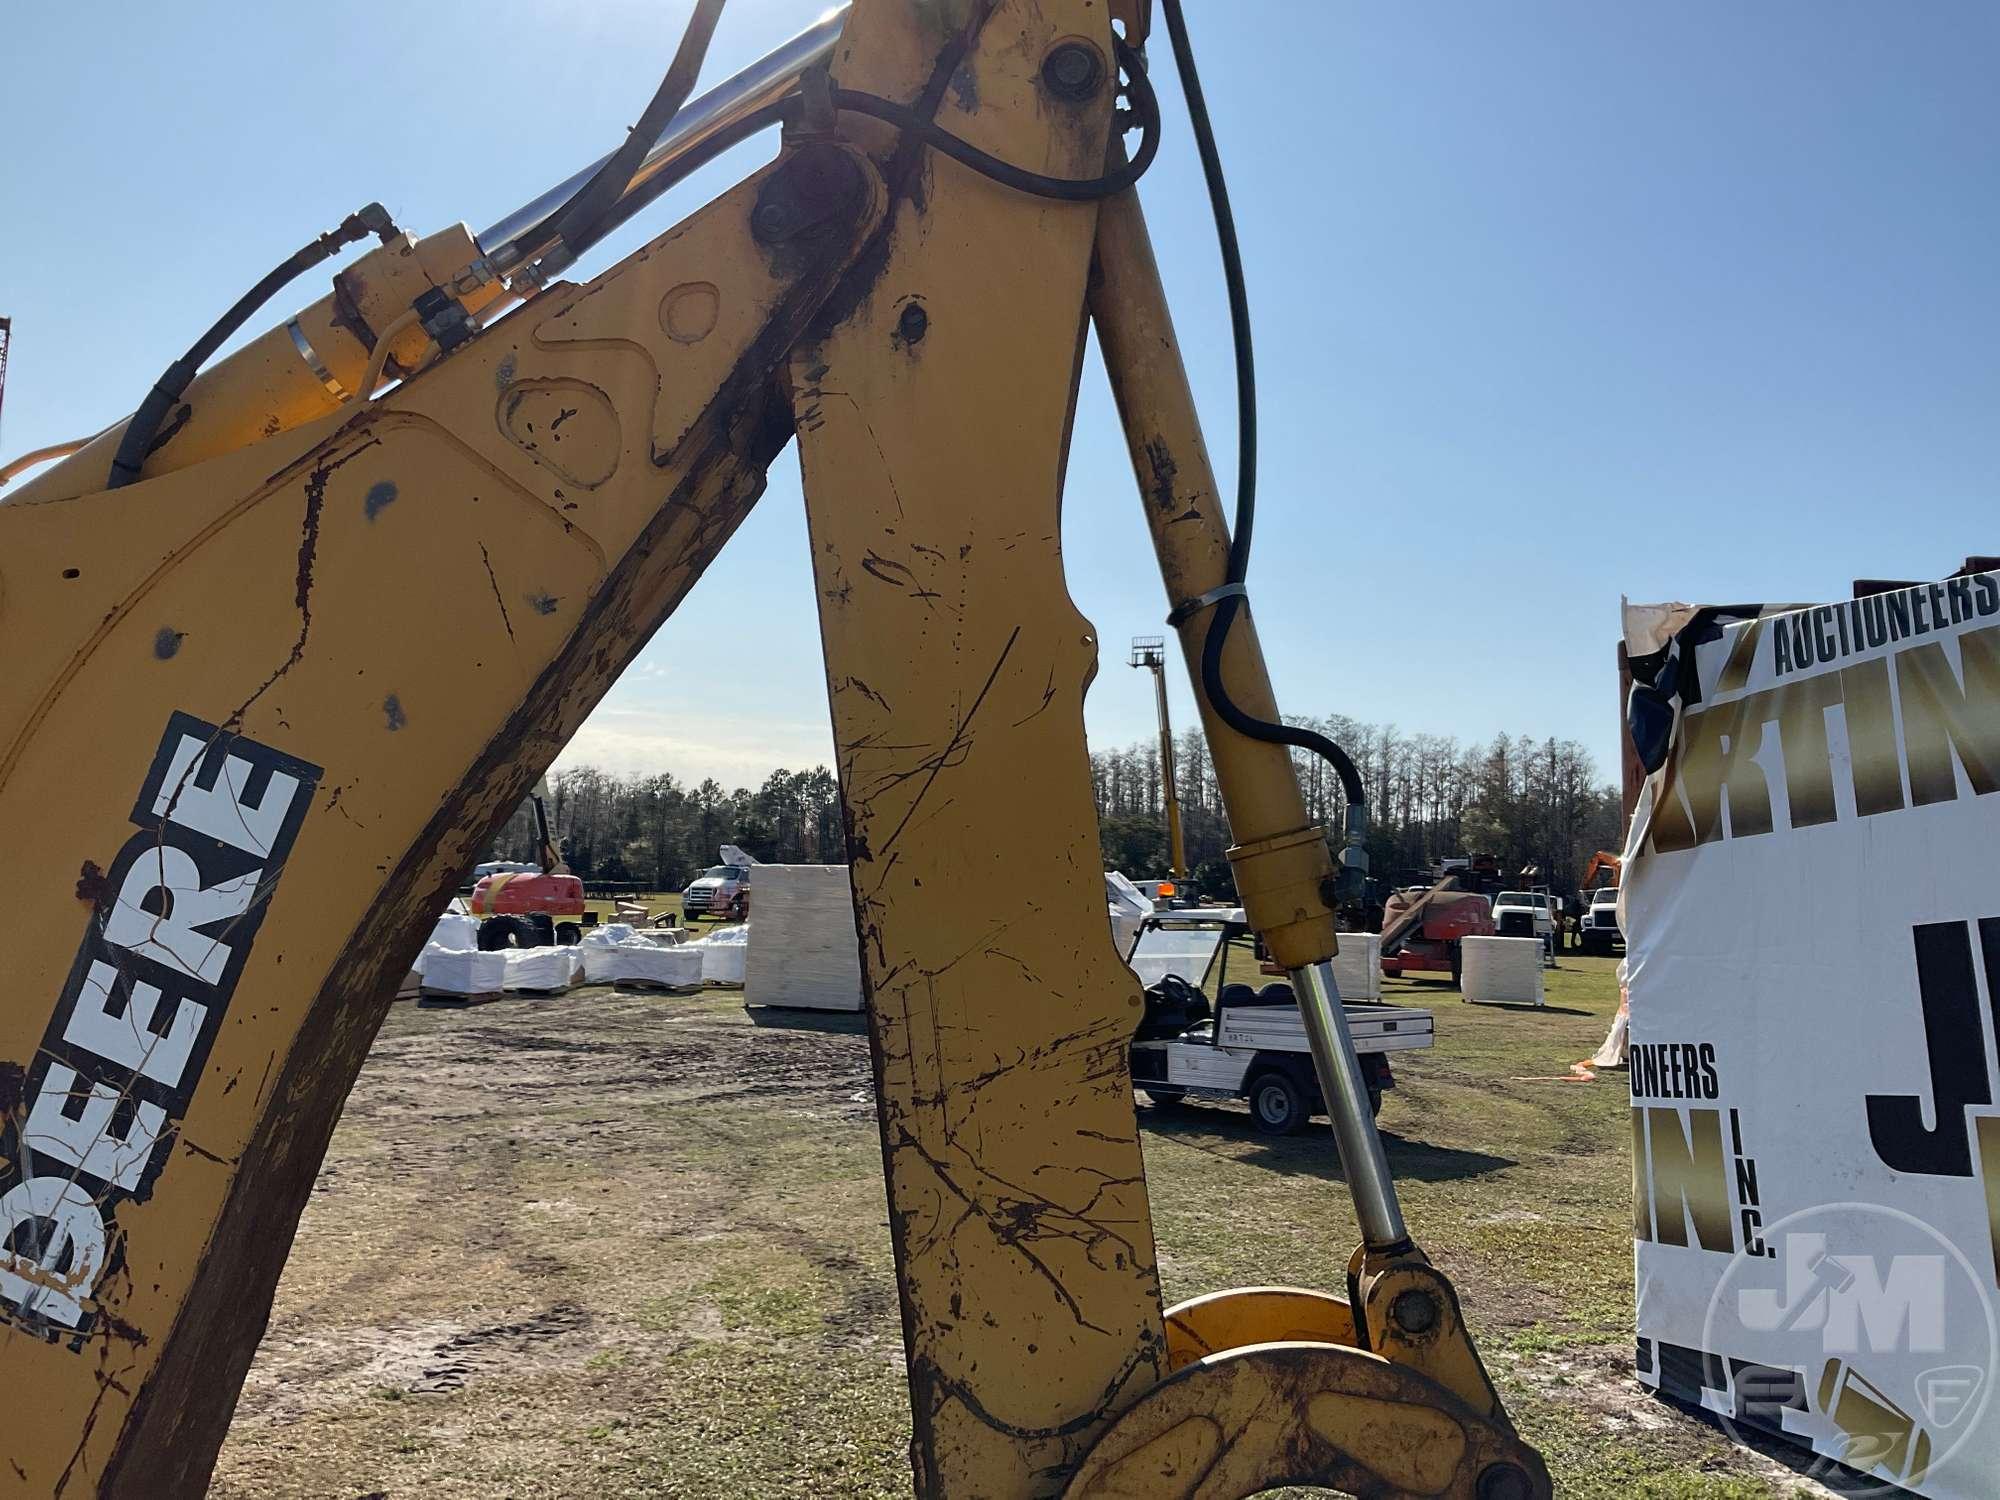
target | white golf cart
[{"x": 1251, "y": 1043}]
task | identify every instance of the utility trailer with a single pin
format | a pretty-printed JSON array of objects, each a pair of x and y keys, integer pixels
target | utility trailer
[{"x": 1250, "y": 1044}]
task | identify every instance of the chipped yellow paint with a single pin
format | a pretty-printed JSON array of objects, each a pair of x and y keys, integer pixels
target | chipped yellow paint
[
  {"x": 266, "y": 388},
  {"x": 1414, "y": 1447},
  {"x": 1438, "y": 1346},
  {"x": 560, "y": 481},
  {"x": 315, "y": 595},
  {"x": 1248, "y": 1420},
  {"x": 956, "y": 664}
]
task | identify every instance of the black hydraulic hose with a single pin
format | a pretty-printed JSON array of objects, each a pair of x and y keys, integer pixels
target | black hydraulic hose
[
  {"x": 1226, "y": 609},
  {"x": 1239, "y": 299},
  {"x": 137, "y": 443},
  {"x": 559, "y": 258},
  {"x": 579, "y": 223},
  {"x": 694, "y": 159},
  {"x": 1145, "y": 115},
  {"x": 1254, "y": 728}
]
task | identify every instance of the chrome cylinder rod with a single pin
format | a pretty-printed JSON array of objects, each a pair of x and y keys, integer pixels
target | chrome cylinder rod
[
  {"x": 515, "y": 239},
  {"x": 1346, "y": 1094}
]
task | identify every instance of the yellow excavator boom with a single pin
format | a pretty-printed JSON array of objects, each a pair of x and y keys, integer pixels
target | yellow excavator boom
[{"x": 244, "y": 767}]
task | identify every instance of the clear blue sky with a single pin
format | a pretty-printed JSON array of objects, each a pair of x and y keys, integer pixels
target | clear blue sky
[{"x": 1553, "y": 301}]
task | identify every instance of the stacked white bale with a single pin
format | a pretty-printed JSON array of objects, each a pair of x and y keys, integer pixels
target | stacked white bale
[
  {"x": 644, "y": 963},
  {"x": 449, "y": 971},
  {"x": 543, "y": 970},
  {"x": 1357, "y": 968},
  {"x": 802, "y": 950},
  {"x": 1501, "y": 971},
  {"x": 454, "y": 933},
  {"x": 597, "y": 947},
  {"x": 722, "y": 956}
]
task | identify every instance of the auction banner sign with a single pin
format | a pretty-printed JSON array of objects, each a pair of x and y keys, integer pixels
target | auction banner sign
[{"x": 1812, "y": 908}]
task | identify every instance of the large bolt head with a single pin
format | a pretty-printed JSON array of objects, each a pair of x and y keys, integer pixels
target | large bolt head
[
  {"x": 1415, "y": 1311},
  {"x": 1073, "y": 71},
  {"x": 771, "y": 221}
]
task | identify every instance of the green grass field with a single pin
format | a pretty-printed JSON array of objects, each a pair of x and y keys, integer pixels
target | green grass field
[{"x": 615, "y": 1245}]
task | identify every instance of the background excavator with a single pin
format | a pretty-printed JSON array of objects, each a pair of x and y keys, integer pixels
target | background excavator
[
  {"x": 1602, "y": 873},
  {"x": 250, "y": 771}
]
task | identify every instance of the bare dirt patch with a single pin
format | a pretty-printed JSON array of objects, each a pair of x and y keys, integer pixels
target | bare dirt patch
[{"x": 616, "y": 1245}]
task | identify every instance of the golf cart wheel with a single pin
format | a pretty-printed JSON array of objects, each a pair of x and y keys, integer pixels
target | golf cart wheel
[
  {"x": 568, "y": 934},
  {"x": 1375, "y": 1102},
  {"x": 1165, "y": 1100},
  {"x": 1277, "y": 1104}
]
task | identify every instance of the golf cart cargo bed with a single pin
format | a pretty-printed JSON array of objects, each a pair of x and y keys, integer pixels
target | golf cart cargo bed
[{"x": 1280, "y": 1028}]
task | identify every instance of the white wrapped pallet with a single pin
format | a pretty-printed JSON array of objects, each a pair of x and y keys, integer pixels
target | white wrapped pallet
[
  {"x": 802, "y": 950},
  {"x": 1813, "y": 930},
  {"x": 547, "y": 971},
  {"x": 643, "y": 963},
  {"x": 1501, "y": 971},
  {"x": 597, "y": 948},
  {"x": 451, "y": 975},
  {"x": 455, "y": 932},
  {"x": 1357, "y": 968},
  {"x": 722, "y": 956}
]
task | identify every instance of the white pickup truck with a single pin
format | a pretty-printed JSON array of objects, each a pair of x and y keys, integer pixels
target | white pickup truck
[
  {"x": 1525, "y": 914},
  {"x": 1599, "y": 931},
  {"x": 1250, "y": 1044}
]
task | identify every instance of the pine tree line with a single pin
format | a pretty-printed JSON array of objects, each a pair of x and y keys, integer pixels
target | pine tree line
[
  {"x": 659, "y": 832},
  {"x": 1526, "y": 801}
]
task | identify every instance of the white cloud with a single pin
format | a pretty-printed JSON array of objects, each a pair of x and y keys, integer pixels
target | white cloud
[{"x": 693, "y": 743}]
